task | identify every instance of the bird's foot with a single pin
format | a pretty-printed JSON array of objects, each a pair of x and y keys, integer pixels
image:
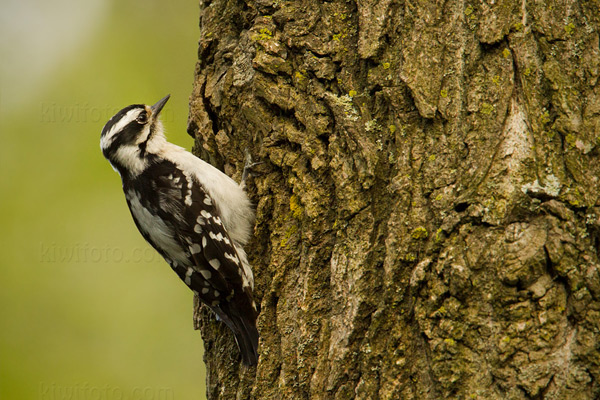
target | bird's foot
[{"x": 248, "y": 166}]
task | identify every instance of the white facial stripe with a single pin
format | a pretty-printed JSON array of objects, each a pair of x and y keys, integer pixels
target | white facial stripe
[
  {"x": 129, "y": 156},
  {"x": 127, "y": 118}
]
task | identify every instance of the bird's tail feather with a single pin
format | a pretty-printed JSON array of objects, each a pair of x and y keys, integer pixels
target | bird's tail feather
[{"x": 244, "y": 330}]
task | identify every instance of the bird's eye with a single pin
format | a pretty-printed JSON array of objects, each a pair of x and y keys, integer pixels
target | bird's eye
[{"x": 142, "y": 118}]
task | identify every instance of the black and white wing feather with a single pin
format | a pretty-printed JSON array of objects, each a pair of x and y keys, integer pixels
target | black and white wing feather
[{"x": 187, "y": 230}]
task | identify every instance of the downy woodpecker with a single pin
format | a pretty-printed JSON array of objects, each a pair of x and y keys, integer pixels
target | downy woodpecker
[{"x": 193, "y": 214}]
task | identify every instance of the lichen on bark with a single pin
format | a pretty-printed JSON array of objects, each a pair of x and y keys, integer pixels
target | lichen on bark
[{"x": 427, "y": 208}]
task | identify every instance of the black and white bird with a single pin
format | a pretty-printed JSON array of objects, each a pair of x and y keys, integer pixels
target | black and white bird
[{"x": 193, "y": 214}]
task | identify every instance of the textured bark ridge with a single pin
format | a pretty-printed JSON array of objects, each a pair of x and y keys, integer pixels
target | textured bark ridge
[{"x": 428, "y": 207}]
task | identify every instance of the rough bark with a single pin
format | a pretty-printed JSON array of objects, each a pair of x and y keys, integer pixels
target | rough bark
[{"x": 428, "y": 207}]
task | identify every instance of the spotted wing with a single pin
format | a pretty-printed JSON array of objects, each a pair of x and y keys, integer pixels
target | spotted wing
[{"x": 207, "y": 260}]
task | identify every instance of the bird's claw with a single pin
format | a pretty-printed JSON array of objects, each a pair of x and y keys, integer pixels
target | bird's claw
[{"x": 248, "y": 166}]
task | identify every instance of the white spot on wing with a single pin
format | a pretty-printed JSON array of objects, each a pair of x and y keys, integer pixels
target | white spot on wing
[
  {"x": 206, "y": 274},
  {"x": 215, "y": 263},
  {"x": 218, "y": 236},
  {"x": 232, "y": 257},
  {"x": 195, "y": 248},
  {"x": 246, "y": 270},
  {"x": 205, "y": 214},
  {"x": 188, "y": 195},
  {"x": 188, "y": 276}
]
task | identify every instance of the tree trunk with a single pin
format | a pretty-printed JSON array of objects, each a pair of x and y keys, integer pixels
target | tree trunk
[{"x": 428, "y": 206}]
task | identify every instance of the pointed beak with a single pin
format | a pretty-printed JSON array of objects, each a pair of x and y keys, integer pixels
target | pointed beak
[{"x": 159, "y": 105}]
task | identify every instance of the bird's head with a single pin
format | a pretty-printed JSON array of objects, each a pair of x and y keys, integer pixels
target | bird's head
[{"x": 131, "y": 134}]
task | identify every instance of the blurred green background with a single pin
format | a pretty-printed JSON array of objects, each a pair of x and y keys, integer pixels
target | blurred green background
[{"x": 87, "y": 309}]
